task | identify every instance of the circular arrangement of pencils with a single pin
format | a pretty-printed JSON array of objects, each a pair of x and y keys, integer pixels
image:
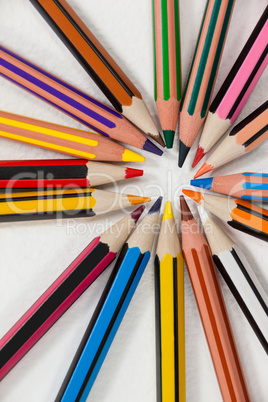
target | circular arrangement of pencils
[{"x": 76, "y": 184}]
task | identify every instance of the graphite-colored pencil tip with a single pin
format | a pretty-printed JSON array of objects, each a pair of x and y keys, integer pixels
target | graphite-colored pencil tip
[
  {"x": 130, "y": 156},
  {"x": 137, "y": 213},
  {"x": 135, "y": 199},
  {"x": 194, "y": 195},
  {"x": 168, "y": 213},
  {"x": 169, "y": 137},
  {"x": 183, "y": 152},
  {"x": 198, "y": 156},
  {"x": 129, "y": 173},
  {"x": 150, "y": 147},
  {"x": 156, "y": 207},
  {"x": 202, "y": 183},
  {"x": 203, "y": 170},
  {"x": 186, "y": 214}
]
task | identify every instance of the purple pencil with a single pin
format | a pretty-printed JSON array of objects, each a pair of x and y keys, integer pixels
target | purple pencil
[{"x": 71, "y": 101}]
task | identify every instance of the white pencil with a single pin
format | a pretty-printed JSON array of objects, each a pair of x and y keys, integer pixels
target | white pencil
[{"x": 239, "y": 277}]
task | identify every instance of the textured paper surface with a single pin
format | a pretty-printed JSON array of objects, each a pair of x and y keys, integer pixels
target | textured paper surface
[{"x": 34, "y": 254}]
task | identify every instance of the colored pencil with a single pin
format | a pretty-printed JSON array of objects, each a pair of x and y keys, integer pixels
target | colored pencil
[
  {"x": 236, "y": 88},
  {"x": 110, "y": 310},
  {"x": 203, "y": 71},
  {"x": 80, "y": 274},
  {"x": 58, "y": 173},
  {"x": 239, "y": 214},
  {"x": 247, "y": 186},
  {"x": 64, "y": 203},
  {"x": 239, "y": 276},
  {"x": 98, "y": 63},
  {"x": 244, "y": 137},
  {"x": 167, "y": 65},
  {"x": 212, "y": 309},
  {"x": 67, "y": 140},
  {"x": 169, "y": 312},
  {"x": 71, "y": 101}
]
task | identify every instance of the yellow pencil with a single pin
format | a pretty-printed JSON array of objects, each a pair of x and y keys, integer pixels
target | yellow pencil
[{"x": 169, "y": 303}]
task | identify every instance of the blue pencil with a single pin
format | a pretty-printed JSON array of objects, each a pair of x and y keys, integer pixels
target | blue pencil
[
  {"x": 247, "y": 186},
  {"x": 110, "y": 310}
]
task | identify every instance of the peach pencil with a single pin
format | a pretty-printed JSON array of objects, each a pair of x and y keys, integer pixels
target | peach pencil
[
  {"x": 247, "y": 186},
  {"x": 203, "y": 71},
  {"x": 212, "y": 309}
]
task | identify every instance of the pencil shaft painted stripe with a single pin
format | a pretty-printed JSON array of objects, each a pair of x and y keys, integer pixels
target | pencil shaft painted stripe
[
  {"x": 165, "y": 50},
  {"x": 178, "y": 47},
  {"x": 256, "y": 174},
  {"x": 255, "y": 186}
]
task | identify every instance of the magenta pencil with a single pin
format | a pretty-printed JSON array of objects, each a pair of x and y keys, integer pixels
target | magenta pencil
[
  {"x": 64, "y": 291},
  {"x": 236, "y": 88}
]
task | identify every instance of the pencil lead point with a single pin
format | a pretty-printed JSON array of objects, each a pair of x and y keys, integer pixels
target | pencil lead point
[
  {"x": 186, "y": 214},
  {"x": 150, "y": 147},
  {"x": 156, "y": 206},
  {"x": 169, "y": 137},
  {"x": 183, "y": 152},
  {"x": 129, "y": 173},
  {"x": 168, "y": 213},
  {"x": 130, "y": 156},
  {"x": 202, "y": 183},
  {"x": 194, "y": 195},
  {"x": 137, "y": 213},
  {"x": 203, "y": 170},
  {"x": 198, "y": 156},
  {"x": 135, "y": 199}
]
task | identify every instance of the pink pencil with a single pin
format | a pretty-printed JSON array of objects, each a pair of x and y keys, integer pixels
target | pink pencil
[
  {"x": 64, "y": 291},
  {"x": 236, "y": 88}
]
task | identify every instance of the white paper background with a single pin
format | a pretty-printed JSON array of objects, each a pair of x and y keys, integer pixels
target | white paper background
[{"x": 34, "y": 254}]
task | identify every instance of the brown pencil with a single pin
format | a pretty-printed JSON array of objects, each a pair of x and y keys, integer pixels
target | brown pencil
[{"x": 212, "y": 309}]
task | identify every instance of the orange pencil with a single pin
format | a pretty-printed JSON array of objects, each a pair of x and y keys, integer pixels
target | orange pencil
[
  {"x": 212, "y": 309},
  {"x": 244, "y": 137},
  {"x": 239, "y": 214},
  {"x": 203, "y": 71},
  {"x": 167, "y": 65},
  {"x": 98, "y": 63}
]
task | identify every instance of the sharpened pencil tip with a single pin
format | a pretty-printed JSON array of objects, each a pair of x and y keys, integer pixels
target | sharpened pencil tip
[
  {"x": 130, "y": 156},
  {"x": 150, "y": 147},
  {"x": 194, "y": 195},
  {"x": 158, "y": 138},
  {"x": 137, "y": 213},
  {"x": 202, "y": 183},
  {"x": 186, "y": 214},
  {"x": 169, "y": 137},
  {"x": 198, "y": 156},
  {"x": 129, "y": 173},
  {"x": 168, "y": 213},
  {"x": 156, "y": 207},
  {"x": 135, "y": 199},
  {"x": 203, "y": 170},
  {"x": 183, "y": 152}
]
